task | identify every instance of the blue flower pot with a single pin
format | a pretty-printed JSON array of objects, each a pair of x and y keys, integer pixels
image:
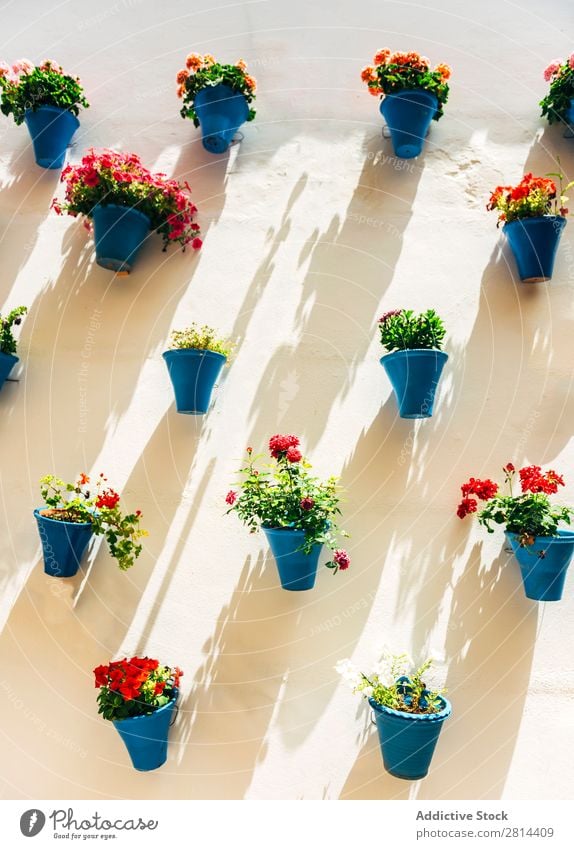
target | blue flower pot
[
  {"x": 570, "y": 113},
  {"x": 63, "y": 544},
  {"x": 119, "y": 232},
  {"x": 297, "y": 570},
  {"x": 544, "y": 564},
  {"x": 408, "y": 114},
  {"x": 408, "y": 740},
  {"x": 414, "y": 374},
  {"x": 145, "y": 737},
  {"x": 193, "y": 374},
  {"x": 220, "y": 111},
  {"x": 7, "y": 363},
  {"x": 534, "y": 242},
  {"x": 51, "y": 130}
]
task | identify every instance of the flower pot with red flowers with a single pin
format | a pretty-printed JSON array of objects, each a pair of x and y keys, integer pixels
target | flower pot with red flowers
[
  {"x": 139, "y": 697},
  {"x": 216, "y": 97},
  {"x": 8, "y": 345},
  {"x": 194, "y": 363},
  {"x": 533, "y": 214},
  {"x": 408, "y": 716},
  {"x": 542, "y": 549},
  {"x": 48, "y": 101},
  {"x": 73, "y": 513},
  {"x": 412, "y": 95},
  {"x": 296, "y": 511},
  {"x": 415, "y": 362},
  {"x": 558, "y": 105},
  {"x": 125, "y": 201}
]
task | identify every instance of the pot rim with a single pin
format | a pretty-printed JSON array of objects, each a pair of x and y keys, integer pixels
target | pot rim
[
  {"x": 415, "y": 352},
  {"x": 564, "y": 535},
  {"x": 194, "y": 352},
  {"x": 48, "y": 107},
  {"x": 425, "y": 91},
  {"x": 171, "y": 702},
  {"x": 536, "y": 218},
  {"x": 280, "y": 529},
  {"x": 414, "y": 717},
  {"x": 220, "y": 86},
  {"x": 120, "y": 206},
  {"x": 38, "y": 515}
]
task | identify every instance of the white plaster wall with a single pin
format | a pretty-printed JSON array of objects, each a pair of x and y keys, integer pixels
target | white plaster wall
[{"x": 312, "y": 229}]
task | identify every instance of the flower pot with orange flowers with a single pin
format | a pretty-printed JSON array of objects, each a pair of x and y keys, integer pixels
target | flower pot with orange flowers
[
  {"x": 140, "y": 698},
  {"x": 412, "y": 95},
  {"x": 73, "y": 513},
  {"x": 533, "y": 215},
  {"x": 47, "y": 101},
  {"x": 543, "y": 549},
  {"x": 8, "y": 344},
  {"x": 217, "y": 98},
  {"x": 296, "y": 511},
  {"x": 126, "y": 202}
]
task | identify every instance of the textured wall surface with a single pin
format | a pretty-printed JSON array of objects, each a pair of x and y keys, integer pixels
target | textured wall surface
[{"x": 312, "y": 229}]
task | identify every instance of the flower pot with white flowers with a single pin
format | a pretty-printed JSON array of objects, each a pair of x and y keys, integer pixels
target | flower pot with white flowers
[
  {"x": 73, "y": 513},
  {"x": 139, "y": 696},
  {"x": 8, "y": 344},
  {"x": 296, "y": 511},
  {"x": 194, "y": 361},
  {"x": 531, "y": 525},
  {"x": 409, "y": 716},
  {"x": 48, "y": 101}
]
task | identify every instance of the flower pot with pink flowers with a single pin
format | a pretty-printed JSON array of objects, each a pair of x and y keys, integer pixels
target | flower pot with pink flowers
[
  {"x": 126, "y": 202},
  {"x": 139, "y": 696},
  {"x": 8, "y": 345},
  {"x": 542, "y": 548},
  {"x": 415, "y": 361},
  {"x": 558, "y": 105},
  {"x": 533, "y": 215},
  {"x": 194, "y": 362},
  {"x": 216, "y": 97},
  {"x": 409, "y": 716},
  {"x": 412, "y": 96},
  {"x": 297, "y": 511},
  {"x": 48, "y": 101},
  {"x": 73, "y": 513}
]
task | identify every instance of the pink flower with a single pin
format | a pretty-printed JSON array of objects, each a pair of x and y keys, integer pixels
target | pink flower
[
  {"x": 552, "y": 69},
  {"x": 231, "y": 497},
  {"x": 571, "y": 61},
  {"x": 341, "y": 558},
  {"x": 91, "y": 178},
  {"x": 196, "y": 244},
  {"x": 4, "y": 69},
  {"x": 307, "y": 503}
]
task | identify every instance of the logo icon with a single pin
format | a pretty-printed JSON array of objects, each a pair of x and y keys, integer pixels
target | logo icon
[{"x": 32, "y": 822}]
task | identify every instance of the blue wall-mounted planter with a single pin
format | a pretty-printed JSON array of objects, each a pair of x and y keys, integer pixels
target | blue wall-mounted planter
[
  {"x": 145, "y": 737},
  {"x": 63, "y": 544},
  {"x": 51, "y": 130},
  {"x": 544, "y": 564},
  {"x": 408, "y": 740},
  {"x": 7, "y": 363},
  {"x": 408, "y": 114},
  {"x": 193, "y": 374},
  {"x": 119, "y": 232},
  {"x": 570, "y": 113},
  {"x": 414, "y": 375},
  {"x": 297, "y": 570},
  {"x": 534, "y": 242},
  {"x": 220, "y": 111}
]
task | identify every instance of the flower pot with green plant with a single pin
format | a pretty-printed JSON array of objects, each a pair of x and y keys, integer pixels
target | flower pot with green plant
[
  {"x": 408, "y": 715},
  {"x": 125, "y": 202},
  {"x": 139, "y": 697},
  {"x": 8, "y": 344},
  {"x": 542, "y": 549},
  {"x": 73, "y": 512},
  {"x": 194, "y": 361},
  {"x": 297, "y": 511},
  {"x": 216, "y": 97},
  {"x": 558, "y": 105},
  {"x": 48, "y": 101},
  {"x": 415, "y": 361}
]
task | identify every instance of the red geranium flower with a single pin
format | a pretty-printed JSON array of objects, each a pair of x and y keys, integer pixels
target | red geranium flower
[
  {"x": 280, "y": 444},
  {"x": 108, "y": 498},
  {"x": 306, "y": 503},
  {"x": 293, "y": 455},
  {"x": 466, "y": 506},
  {"x": 231, "y": 497},
  {"x": 341, "y": 558}
]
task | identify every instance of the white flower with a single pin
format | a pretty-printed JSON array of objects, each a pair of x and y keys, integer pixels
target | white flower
[
  {"x": 367, "y": 691},
  {"x": 349, "y": 672}
]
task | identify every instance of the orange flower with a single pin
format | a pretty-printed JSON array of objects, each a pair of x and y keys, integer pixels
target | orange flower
[
  {"x": 443, "y": 70},
  {"x": 382, "y": 56},
  {"x": 208, "y": 59},
  {"x": 182, "y": 76},
  {"x": 84, "y": 478},
  {"x": 241, "y": 64},
  {"x": 250, "y": 82},
  {"x": 194, "y": 62},
  {"x": 180, "y": 90},
  {"x": 375, "y": 90},
  {"x": 368, "y": 74}
]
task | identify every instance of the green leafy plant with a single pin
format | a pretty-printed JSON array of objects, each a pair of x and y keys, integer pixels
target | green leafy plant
[
  {"x": 556, "y": 104},
  {"x": 395, "y": 682},
  {"x": 135, "y": 687},
  {"x": 8, "y": 343},
  {"x": 531, "y": 198},
  {"x": 99, "y": 505},
  {"x": 284, "y": 494},
  {"x": 394, "y": 72},
  {"x": 202, "y": 72},
  {"x": 529, "y": 514},
  {"x": 402, "y": 330},
  {"x": 202, "y": 338},
  {"x": 25, "y": 86}
]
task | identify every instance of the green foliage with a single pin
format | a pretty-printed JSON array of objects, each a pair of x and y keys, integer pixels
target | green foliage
[
  {"x": 394, "y": 683},
  {"x": 394, "y": 78},
  {"x": 202, "y": 338},
  {"x": 41, "y": 86},
  {"x": 202, "y": 72},
  {"x": 556, "y": 104},
  {"x": 7, "y": 341},
  {"x": 402, "y": 329},
  {"x": 528, "y": 515}
]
